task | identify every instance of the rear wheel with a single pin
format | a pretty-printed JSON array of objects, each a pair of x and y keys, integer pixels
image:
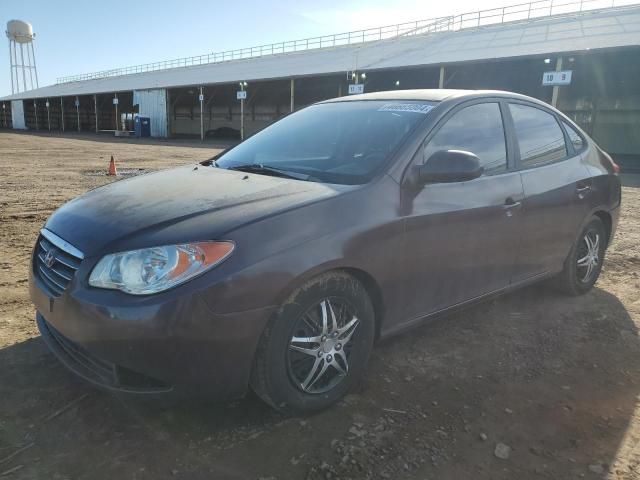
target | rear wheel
[
  {"x": 317, "y": 346},
  {"x": 584, "y": 263}
]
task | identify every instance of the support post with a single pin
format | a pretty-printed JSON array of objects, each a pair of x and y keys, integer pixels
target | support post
[
  {"x": 201, "y": 98},
  {"x": 35, "y": 111},
  {"x": 48, "y": 114},
  {"x": 33, "y": 59},
  {"x": 115, "y": 96},
  {"x": 78, "y": 111},
  {"x": 167, "y": 113},
  {"x": 556, "y": 88},
  {"x": 15, "y": 59},
  {"x": 95, "y": 108},
  {"x": 12, "y": 69},
  {"x": 441, "y": 79},
  {"x": 293, "y": 91},
  {"x": 62, "y": 113},
  {"x": 30, "y": 67},
  {"x": 242, "y": 114},
  {"x": 24, "y": 77}
]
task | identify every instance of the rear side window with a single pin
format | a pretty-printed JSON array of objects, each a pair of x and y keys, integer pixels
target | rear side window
[
  {"x": 476, "y": 129},
  {"x": 539, "y": 135},
  {"x": 574, "y": 136}
]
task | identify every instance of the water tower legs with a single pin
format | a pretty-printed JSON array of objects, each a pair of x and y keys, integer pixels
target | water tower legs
[
  {"x": 33, "y": 59},
  {"x": 11, "y": 67},
  {"x": 30, "y": 70},
  {"x": 24, "y": 76},
  {"x": 15, "y": 67}
]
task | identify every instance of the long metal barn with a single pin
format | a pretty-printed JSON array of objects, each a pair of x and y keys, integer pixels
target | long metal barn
[{"x": 575, "y": 55}]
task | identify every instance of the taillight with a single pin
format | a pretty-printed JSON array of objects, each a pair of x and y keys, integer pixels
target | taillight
[
  {"x": 608, "y": 162},
  {"x": 616, "y": 167}
]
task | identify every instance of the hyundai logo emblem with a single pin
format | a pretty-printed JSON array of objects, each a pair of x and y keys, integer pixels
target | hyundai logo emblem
[{"x": 50, "y": 258}]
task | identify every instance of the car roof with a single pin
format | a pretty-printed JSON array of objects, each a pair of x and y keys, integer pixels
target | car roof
[{"x": 429, "y": 94}]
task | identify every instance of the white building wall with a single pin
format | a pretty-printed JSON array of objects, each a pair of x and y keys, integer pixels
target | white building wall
[
  {"x": 17, "y": 115},
  {"x": 153, "y": 104}
]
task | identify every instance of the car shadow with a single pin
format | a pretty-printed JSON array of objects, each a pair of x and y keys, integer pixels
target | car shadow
[{"x": 552, "y": 378}]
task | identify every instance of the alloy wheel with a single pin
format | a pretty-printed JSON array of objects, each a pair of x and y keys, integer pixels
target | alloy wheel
[
  {"x": 320, "y": 348},
  {"x": 588, "y": 256}
]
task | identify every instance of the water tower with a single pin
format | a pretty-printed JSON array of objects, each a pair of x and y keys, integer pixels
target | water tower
[{"x": 21, "y": 34}]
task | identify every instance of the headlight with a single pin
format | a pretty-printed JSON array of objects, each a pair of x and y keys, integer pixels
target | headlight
[{"x": 152, "y": 270}]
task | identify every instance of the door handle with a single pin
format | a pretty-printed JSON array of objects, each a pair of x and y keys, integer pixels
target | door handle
[
  {"x": 582, "y": 189},
  {"x": 510, "y": 203}
]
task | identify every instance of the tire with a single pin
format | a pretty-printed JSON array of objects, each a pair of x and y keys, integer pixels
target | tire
[
  {"x": 578, "y": 279},
  {"x": 283, "y": 371}
]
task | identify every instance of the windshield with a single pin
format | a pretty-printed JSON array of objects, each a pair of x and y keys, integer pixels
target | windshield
[{"x": 341, "y": 142}]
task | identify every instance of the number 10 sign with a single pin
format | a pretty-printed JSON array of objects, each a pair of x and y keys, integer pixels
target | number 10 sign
[{"x": 557, "y": 78}]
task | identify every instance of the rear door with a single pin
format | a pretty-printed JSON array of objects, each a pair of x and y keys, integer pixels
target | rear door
[
  {"x": 461, "y": 238},
  {"x": 556, "y": 185}
]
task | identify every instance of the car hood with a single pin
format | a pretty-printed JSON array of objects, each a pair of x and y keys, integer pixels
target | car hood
[{"x": 179, "y": 205}]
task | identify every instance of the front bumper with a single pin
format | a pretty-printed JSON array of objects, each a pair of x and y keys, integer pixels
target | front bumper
[
  {"x": 152, "y": 345},
  {"x": 95, "y": 370}
]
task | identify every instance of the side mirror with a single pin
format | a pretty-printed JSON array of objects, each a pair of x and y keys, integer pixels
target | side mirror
[{"x": 448, "y": 166}]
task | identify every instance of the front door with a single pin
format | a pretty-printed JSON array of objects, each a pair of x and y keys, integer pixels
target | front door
[{"x": 461, "y": 239}]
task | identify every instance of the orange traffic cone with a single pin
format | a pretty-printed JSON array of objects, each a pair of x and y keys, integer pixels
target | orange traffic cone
[{"x": 112, "y": 167}]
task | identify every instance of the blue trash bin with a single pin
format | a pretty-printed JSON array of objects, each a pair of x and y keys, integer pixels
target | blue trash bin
[{"x": 142, "y": 126}]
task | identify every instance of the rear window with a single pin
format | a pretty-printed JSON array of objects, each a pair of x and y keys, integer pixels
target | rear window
[
  {"x": 539, "y": 135},
  {"x": 341, "y": 142}
]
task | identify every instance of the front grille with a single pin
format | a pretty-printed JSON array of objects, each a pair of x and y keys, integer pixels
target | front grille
[{"x": 55, "y": 262}]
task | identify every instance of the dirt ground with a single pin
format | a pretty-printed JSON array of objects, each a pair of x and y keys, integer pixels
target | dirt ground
[{"x": 554, "y": 379}]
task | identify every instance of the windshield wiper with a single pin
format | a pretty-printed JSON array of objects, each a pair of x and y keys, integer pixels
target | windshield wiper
[{"x": 269, "y": 170}]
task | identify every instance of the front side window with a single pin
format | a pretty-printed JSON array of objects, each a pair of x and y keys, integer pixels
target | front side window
[
  {"x": 539, "y": 135},
  {"x": 476, "y": 129},
  {"x": 574, "y": 136},
  {"x": 340, "y": 142}
]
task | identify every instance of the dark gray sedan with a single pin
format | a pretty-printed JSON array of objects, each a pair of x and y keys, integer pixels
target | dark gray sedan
[{"x": 279, "y": 263}]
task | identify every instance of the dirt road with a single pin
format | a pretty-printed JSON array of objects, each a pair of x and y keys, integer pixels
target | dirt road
[{"x": 556, "y": 380}]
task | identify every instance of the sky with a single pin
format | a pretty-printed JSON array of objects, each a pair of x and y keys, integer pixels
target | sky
[{"x": 74, "y": 36}]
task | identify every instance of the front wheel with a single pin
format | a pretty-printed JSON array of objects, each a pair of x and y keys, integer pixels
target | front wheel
[
  {"x": 317, "y": 346},
  {"x": 584, "y": 263}
]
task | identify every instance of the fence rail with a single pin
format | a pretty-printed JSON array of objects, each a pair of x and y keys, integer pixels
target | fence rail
[{"x": 520, "y": 12}]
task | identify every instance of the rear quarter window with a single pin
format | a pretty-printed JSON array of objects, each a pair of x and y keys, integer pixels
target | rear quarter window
[
  {"x": 574, "y": 137},
  {"x": 538, "y": 134}
]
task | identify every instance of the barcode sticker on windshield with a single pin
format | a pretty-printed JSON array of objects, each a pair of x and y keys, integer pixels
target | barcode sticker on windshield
[{"x": 406, "y": 107}]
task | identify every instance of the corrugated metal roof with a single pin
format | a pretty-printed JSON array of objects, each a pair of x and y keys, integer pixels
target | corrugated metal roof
[{"x": 568, "y": 33}]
